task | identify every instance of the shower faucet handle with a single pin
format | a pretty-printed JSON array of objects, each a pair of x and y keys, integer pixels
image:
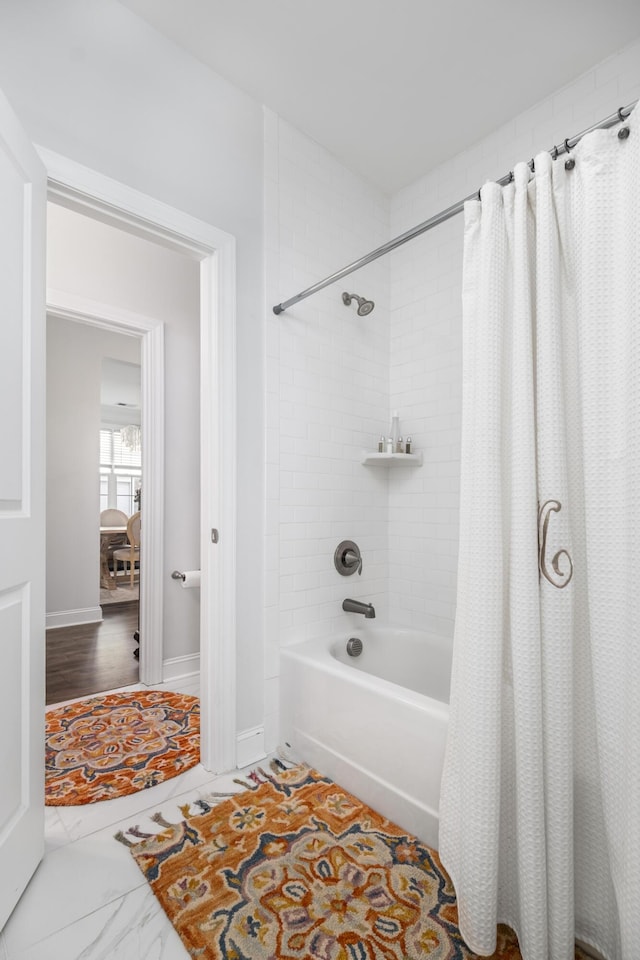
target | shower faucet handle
[
  {"x": 352, "y": 559},
  {"x": 347, "y": 558}
]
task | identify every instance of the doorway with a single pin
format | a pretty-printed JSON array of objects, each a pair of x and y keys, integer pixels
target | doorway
[
  {"x": 79, "y": 188},
  {"x": 121, "y": 481},
  {"x": 110, "y": 291}
]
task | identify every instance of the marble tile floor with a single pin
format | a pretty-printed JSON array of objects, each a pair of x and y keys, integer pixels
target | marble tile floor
[{"x": 88, "y": 899}]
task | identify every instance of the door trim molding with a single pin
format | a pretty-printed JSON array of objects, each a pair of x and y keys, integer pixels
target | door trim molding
[
  {"x": 178, "y": 668},
  {"x": 92, "y": 193},
  {"x": 68, "y": 306}
]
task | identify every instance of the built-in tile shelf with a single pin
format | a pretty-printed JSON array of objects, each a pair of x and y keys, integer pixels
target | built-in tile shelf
[{"x": 384, "y": 459}]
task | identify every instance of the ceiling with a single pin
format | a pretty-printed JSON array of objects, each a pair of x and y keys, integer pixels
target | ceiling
[
  {"x": 394, "y": 87},
  {"x": 120, "y": 391}
]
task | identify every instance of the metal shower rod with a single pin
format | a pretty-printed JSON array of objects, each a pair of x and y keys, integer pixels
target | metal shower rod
[{"x": 451, "y": 211}]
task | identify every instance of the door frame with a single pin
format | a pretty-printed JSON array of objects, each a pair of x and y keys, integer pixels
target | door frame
[{"x": 93, "y": 194}]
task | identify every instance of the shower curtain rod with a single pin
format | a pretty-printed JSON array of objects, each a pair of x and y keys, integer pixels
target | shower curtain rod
[{"x": 621, "y": 114}]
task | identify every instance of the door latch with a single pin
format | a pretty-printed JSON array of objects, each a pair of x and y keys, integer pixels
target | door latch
[{"x": 215, "y": 536}]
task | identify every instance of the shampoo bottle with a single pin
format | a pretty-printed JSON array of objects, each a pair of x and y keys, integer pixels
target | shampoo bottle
[{"x": 394, "y": 432}]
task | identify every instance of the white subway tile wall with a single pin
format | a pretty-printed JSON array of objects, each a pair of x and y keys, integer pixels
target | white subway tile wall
[
  {"x": 327, "y": 396},
  {"x": 333, "y": 378}
]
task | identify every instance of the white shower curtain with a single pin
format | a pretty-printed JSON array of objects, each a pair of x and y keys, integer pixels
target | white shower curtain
[{"x": 540, "y": 805}]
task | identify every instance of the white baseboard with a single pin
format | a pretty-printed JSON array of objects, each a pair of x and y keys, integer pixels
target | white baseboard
[
  {"x": 250, "y": 746},
  {"x": 177, "y": 667},
  {"x": 72, "y": 618}
]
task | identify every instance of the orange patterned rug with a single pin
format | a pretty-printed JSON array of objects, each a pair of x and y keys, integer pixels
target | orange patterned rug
[
  {"x": 108, "y": 746},
  {"x": 298, "y": 869}
]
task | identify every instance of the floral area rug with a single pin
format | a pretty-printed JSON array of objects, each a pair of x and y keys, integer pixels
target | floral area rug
[
  {"x": 109, "y": 746},
  {"x": 295, "y": 868}
]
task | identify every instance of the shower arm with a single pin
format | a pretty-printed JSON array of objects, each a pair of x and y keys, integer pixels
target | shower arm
[{"x": 618, "y": 117}]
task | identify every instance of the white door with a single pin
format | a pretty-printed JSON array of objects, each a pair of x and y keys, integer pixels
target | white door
[{"x": 22, "y": 391}]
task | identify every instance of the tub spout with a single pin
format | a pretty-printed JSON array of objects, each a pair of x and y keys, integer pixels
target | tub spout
[{"x": 355, "y": 606}]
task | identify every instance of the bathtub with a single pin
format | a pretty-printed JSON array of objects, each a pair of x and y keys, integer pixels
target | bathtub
[{"x": 377, "y": 723}]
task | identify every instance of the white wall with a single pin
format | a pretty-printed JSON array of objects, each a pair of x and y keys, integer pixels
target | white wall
[
  {"x": 74, "y": 369},
  {"x": 327, "y": 396},
  {"x": 426, "y": 284},
  {"x": 102, "y": 263},
  {"x": 94, "y": 83}
]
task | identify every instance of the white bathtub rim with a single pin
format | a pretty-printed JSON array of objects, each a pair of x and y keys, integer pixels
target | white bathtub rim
[
  {"x": 317, "y": 652},
  {"x": 367, "y": 627}
]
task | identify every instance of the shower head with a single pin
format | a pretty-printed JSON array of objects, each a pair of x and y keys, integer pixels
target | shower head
[{"x": 364, "y": 306}]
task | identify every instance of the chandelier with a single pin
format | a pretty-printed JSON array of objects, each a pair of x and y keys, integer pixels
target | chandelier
[{"x": 131, "y": 437}]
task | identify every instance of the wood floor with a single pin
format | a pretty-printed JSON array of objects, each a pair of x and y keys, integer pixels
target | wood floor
[{"x": 93, "y": 657}]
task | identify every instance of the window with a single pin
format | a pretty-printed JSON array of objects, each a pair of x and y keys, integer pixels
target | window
[{"x": 120, "y": 472}]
